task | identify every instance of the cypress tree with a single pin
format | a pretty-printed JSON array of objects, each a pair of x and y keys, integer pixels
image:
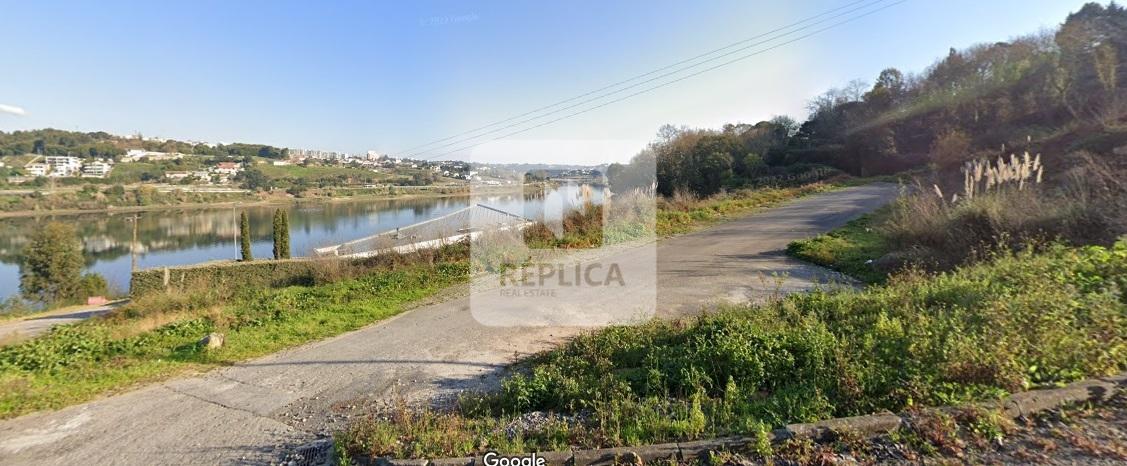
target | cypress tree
[
  {"x": 281, "y": 234},
  {"x": 285, "y": 234},
  {"x": 244, "y": 237},
  {"x": 277, "y": 234}
]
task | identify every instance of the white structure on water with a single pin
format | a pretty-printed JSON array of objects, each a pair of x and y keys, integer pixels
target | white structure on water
[{"x": 467, "y": 223}]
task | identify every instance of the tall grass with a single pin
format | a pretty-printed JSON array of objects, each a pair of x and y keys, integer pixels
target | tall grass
[
  {"x": 1005, "y": 204},
  {"x": 982, "y": 176}
]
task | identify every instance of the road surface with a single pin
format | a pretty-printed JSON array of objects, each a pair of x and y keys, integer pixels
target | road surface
[
  {"x": 259, "y": 410},
  {"x": 16, "y": 330}
]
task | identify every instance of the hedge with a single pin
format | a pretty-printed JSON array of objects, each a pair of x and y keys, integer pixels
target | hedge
[{"x": 275, "y": 273}]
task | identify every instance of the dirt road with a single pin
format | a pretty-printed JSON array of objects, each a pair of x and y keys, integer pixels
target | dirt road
[{"x": 255, "y": 411}]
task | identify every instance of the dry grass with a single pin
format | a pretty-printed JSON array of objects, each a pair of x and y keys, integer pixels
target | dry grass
[{"x": 1006, "y": 205}]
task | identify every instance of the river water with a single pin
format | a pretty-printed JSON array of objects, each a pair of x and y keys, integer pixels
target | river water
[{"x": 187, "y": 236}]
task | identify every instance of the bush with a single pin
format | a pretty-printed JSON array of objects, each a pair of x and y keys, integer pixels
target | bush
[
  {"x": 951, "y": 149},
  {"x": 92, "y": 284}
]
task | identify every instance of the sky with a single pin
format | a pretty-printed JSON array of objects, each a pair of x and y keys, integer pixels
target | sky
[{"x": 392, "y": 75}]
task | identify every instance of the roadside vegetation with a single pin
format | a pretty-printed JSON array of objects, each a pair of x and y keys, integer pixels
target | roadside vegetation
[
  {"x": 1018, "y": 321},
  {"x": 684, "y": 211},
  {"x": 849, "y": 249},
  {"x": 157, "y": 335},
  {"x": 1006, "y": 203}
]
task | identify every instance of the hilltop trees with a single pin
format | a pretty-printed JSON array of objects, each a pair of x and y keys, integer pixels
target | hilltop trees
[
  {"x": 1093, "y": 52},
  {"x": 1068, "y": 89},
  {"x": 50, "y": 141},
  {"x": 281, "y": 234},
  {"x": 52, "y": 265}
]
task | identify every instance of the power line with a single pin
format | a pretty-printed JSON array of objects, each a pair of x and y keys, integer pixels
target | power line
[
  {"x": 694, "y": 74},
  {"x": 635, "y": 85},
  {"x": 619, "y": 83}
]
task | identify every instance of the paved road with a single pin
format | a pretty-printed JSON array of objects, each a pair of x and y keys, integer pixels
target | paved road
[
  {"x": 253, "y": 412},
  {"x": 31, "y": 326}
]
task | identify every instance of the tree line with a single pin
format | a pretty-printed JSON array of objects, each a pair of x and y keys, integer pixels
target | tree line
[{"x": 101, "y": 144}]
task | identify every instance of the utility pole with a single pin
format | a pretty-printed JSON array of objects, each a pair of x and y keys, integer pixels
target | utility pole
[
  {"x": 235, "y": 225},
  {"x": 133, "y": 246}
]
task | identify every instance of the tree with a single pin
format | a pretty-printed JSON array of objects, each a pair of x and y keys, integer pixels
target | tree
[
  {"x": 244, "y": 237},
  {"x": 254, "y": 180},
  {"x": 285, "y": 234},
  {"x": 52, "y": 265},
  {"x": 281, "y": 234},
  {"x": 1093, "y": 45}
]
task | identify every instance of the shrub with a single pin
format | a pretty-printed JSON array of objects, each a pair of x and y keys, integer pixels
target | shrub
[
  {"x": 951, "y": 149},
  {"x": 92, "y": 284}
]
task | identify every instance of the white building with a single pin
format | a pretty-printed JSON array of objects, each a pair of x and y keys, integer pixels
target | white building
[
  {"x": 37, "y": 169},
  {"x": 176, "y": 176},
  {"x": 64, "y": 165},
  {"x": 133, "y": 155},
  {"x": 96, "y": 169}
]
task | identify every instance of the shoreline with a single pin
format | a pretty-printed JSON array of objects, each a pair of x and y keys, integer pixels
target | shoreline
[{"x": 232, "y": 204}]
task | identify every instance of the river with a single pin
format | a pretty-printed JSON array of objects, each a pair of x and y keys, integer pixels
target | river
[{"x": 171, "y": 237}]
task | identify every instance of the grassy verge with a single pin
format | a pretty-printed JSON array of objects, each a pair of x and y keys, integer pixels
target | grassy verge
[
  {"x": 1018, "y": 321},
  {"x": 684, "y": 214},
  {"x": 851, "y": 249},
  {"x": 156, "y": 338}
]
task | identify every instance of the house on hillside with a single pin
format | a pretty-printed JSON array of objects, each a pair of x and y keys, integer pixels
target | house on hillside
[
  {"x": 37, "y": 169},
  {"x": 227, "y": 168},
  {"x": 133, "y": 155},
  {"x": 96, "y": 169},
  {"x": 64, "y": 165}
]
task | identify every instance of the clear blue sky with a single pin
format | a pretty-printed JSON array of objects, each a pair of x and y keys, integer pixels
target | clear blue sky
[{"x": 389, "y": 75}]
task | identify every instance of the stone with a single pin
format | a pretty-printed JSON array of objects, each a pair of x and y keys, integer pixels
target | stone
[
  {"x": 867, "y": 426},
  {"x": 468, "y": 461},
  {"x": 700, "y": 449},
  {"x": 212, "y": 341},
  {"x": 399, "y": 462}
]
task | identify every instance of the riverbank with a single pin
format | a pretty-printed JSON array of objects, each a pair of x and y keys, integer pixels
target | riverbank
[
  {"x": 424, "y": 192},
  {"x": 228, "y": 204}
]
